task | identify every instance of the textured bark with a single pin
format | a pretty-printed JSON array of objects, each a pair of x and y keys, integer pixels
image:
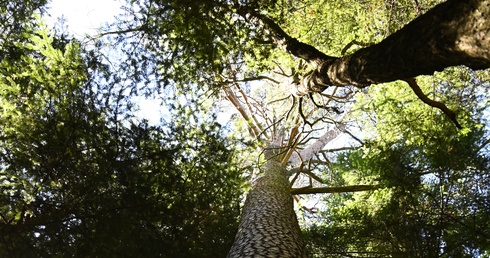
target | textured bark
[
  {"x": 269, "y": 227},
  {"x": 454, "y": 33}
]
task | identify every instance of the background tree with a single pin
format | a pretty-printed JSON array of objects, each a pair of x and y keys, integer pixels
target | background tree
[
  {"x": 82, "y": 176},
  {"x": 421, "y": 213}
]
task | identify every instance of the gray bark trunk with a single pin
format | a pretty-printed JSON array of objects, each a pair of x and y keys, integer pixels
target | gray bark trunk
[{"x": 269, "y": 227}]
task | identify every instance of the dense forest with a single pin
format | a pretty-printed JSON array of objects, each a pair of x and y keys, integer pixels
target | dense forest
[{"x": 289, "y": 128}]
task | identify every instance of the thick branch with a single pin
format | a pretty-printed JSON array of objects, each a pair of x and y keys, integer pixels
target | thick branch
[
  {"x": 453, "y": 33},
  {"x": 313, "y": 149},
  {"x": 338, "y": 189},
  {"x": 284, "y": 40}
]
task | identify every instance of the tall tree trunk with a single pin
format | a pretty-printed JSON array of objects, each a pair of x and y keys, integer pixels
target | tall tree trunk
[{"x": 269, "y": 227}]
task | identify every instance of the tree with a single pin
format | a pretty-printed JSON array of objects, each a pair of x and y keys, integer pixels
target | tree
[
  {"x": 182, "y": 177},
  {"x": 431, "y": 208},
  {"x": 269, "y": 225},
  {"x": 432, "y": 175},
  {"x": 221, "y": 43},
  {"x": 81, "y": 176},
  {"x": 16, "y": 17}
]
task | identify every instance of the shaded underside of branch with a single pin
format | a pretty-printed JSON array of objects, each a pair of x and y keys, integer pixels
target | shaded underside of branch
[{"x": 452, "y": 33}]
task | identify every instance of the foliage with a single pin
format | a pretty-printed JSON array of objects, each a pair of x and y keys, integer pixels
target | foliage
[
  {"x": 81, "y": 175},
  {"x": 76, "y": 180},
  {"x": 186, "y": 43},
  {"x": 431, "y": 208},
  {"x": 16, "y": 16},
  {"x": 435, "y": 200}
]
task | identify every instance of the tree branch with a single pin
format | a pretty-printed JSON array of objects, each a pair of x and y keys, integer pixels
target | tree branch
[
  {"x": 312, "y": 175},
  {"x": 249, "y": 79},
  {"x": 338, "y": 189},
  {"x": 285, "y": 41},
  {"x": 230, "y": 95},
  {"x": 420, "y": 94}
]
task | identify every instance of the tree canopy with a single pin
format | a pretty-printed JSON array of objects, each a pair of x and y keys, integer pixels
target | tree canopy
[
  {"x": 364, "y": 102},
  {"x": 82, "y": 176}
]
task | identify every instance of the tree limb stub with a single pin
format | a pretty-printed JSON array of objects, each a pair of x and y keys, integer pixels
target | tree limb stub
[
  {"x": 416, "y": 89},
  {"x": 338, "y": 189}
]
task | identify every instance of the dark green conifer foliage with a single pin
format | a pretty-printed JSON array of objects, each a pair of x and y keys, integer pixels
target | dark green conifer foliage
[{"x": 81, "y": 176}]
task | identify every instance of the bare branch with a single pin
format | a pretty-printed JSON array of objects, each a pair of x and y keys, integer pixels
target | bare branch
[
  {"x": 312, "y": 175},
  {"x": 250, "y": 109},
  {"x": 230, "y": 95},
  {"x": 416, "y": 89},
  {"x": 333, "y": 96},
  {"x": 338, "y": 149},
  {"x": 354, "y": 42},
  {"x": 300, "y": 109},
  {"x": 250, "y": 79},
  {"x": 337, "y": 189},
  {"x": 318, "y": 145},
  {"x": 296, "y": 175}
]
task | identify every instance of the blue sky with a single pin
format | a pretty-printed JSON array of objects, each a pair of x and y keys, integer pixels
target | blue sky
[{"x": 85, "y": 17}]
